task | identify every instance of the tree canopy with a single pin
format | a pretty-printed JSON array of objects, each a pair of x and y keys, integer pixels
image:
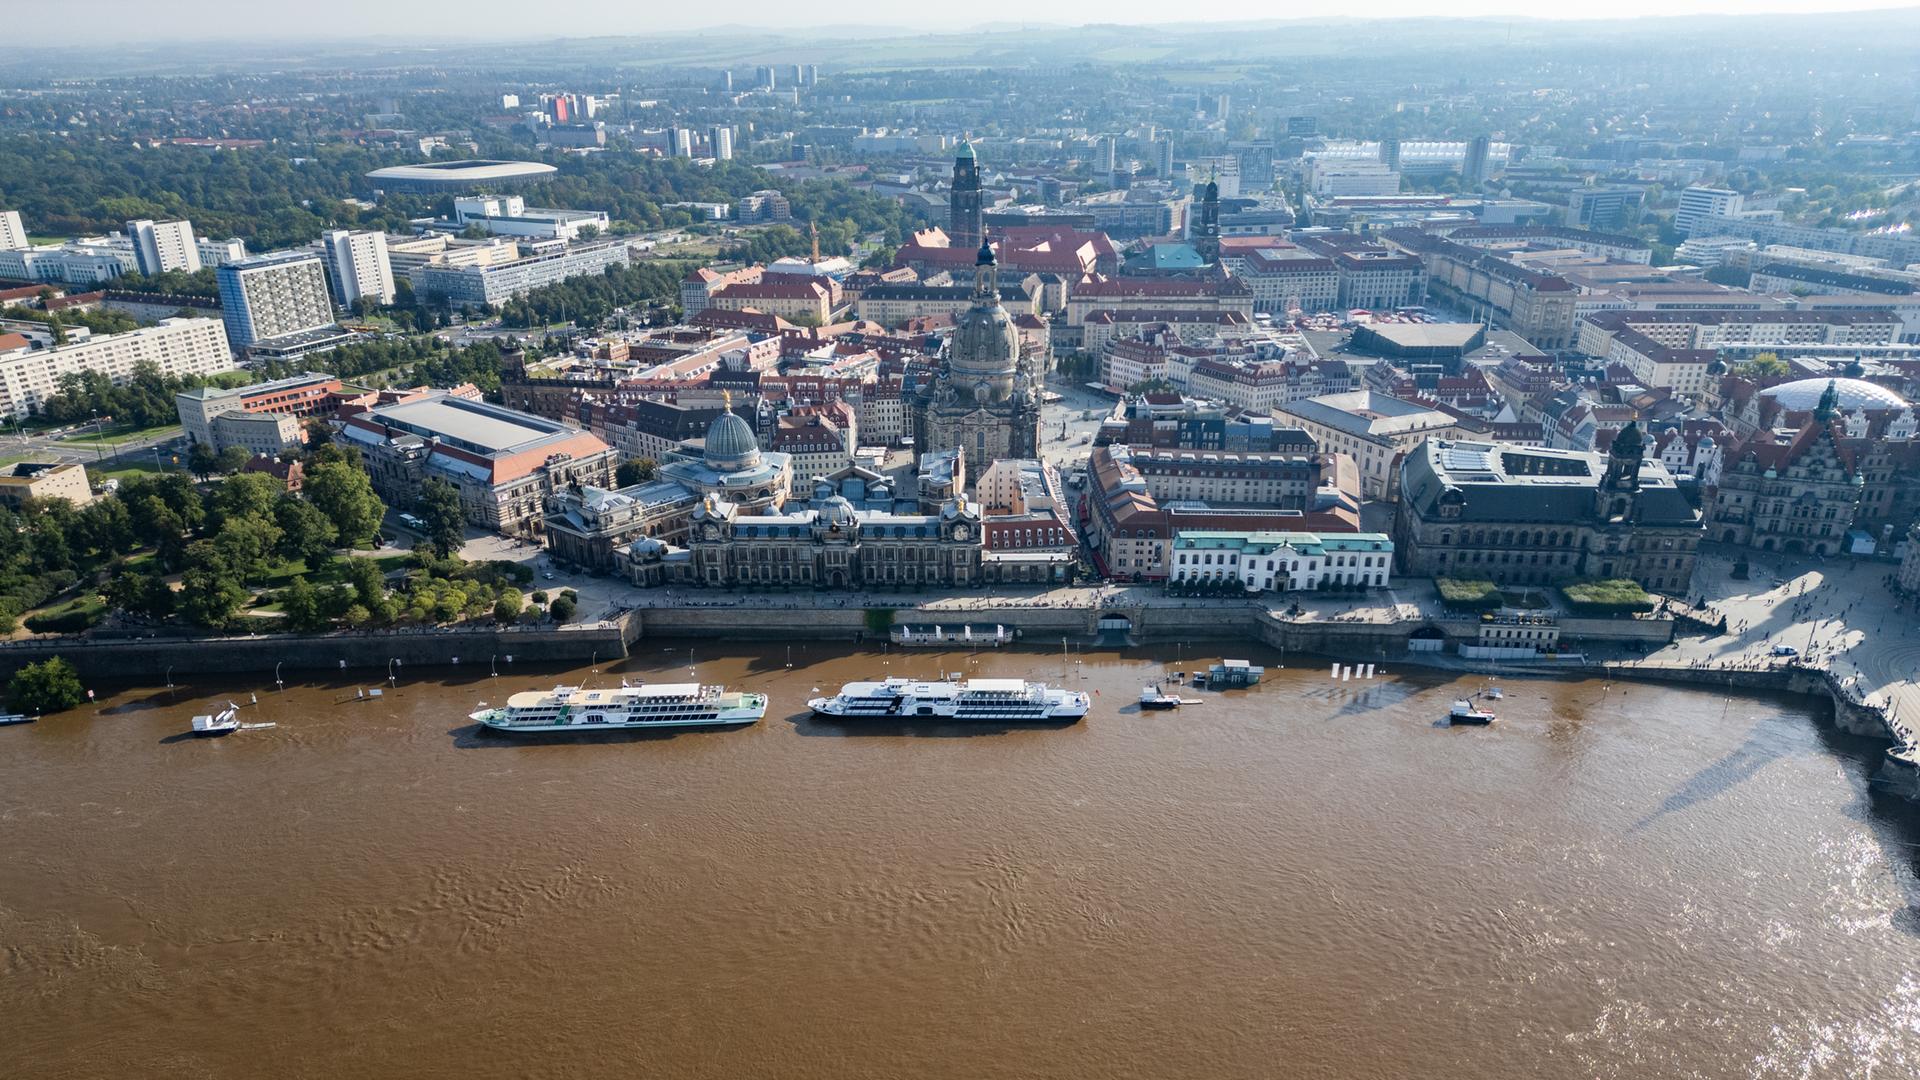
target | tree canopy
[
  {"x": 446, "y": 525},
  {"x": 345, "y": 495},
  {"x": 48, "y": 686}
]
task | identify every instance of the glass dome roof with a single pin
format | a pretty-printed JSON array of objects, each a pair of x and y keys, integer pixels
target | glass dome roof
[{"x": 1803, "y": 395}]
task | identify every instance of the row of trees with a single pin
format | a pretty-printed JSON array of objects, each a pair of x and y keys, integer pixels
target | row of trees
[
  {"x": 403, "y": 362},
  {"x": 145, "y": 400},
  {"x": 200, "y": 283},
  {"x": 590, "y": 299},
  {"x": 99, "y": 322}
]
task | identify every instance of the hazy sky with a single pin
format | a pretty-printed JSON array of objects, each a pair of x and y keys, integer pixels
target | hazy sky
[{"x": 468, "y": 19}]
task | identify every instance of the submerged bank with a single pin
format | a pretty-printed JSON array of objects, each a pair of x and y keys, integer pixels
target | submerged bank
[{"x": 1121, "y": 623}]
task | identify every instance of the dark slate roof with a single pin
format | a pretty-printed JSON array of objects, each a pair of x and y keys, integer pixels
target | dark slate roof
[{"x": 1492, "y": 479}]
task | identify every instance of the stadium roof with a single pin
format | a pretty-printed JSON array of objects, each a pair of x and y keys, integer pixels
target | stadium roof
[{"x": 460, "y": 175}]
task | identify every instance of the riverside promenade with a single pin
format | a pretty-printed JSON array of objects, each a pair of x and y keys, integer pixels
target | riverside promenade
[{"x": 1840, "y": 616}]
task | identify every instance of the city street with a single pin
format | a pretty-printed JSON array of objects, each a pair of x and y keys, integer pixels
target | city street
[{"x": 47, "y": 446}]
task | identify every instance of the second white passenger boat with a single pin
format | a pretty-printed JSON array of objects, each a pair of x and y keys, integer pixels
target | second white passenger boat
[
  {"x": 970, "y": 701},
  {"x": 654, "y": 705}
]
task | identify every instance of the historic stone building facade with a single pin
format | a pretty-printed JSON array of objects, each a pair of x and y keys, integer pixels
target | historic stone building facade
[
  {"x": 1527, "y": 515},
  {"x": 1798, "y": 496},
  {"x": 986, "y": 397},
  {"x": 831, "y": 547},
  {"x": 1909, "y": 579},
  {"x": 588, "y": 525}
]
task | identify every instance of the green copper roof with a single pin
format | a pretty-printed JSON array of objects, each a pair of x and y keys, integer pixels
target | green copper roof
[{"x": 965, "y": 151}]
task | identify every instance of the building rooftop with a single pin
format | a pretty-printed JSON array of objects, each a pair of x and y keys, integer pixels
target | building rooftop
[
  {"x": 306, "y": 378},
  {"x": 1461, "y": 336},
  {"x": 271, "y": 258},
  {"x": 1364, "y": 412},
  {"x": 1508, "y": 482},
  {"x": 471, "y": 425},
  {"x": 1836, "y": 279},
  {"x": 1802, "y": 395},
  {"x": 1310, "y": 543}
]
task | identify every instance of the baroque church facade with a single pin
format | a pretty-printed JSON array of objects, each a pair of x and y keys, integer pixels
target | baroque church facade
[{"x": 985, "y": 399}]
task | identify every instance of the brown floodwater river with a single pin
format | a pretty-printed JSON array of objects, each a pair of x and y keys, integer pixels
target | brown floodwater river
[{"x": 1305, "y": 879}]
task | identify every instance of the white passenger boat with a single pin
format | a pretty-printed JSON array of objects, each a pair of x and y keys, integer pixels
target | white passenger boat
[
  {"x": 1465, "y": 712},
  {"x": 1153, "y": 697},
  {"x": 224, "y": 722},
  {"x": 654, "y": 705},
  {"x": 15, "y": 718},
  {"x": 970, "y": 700}
]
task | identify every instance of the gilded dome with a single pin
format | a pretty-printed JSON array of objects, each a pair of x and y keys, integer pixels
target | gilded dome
[{"x": 731, "y": 445}]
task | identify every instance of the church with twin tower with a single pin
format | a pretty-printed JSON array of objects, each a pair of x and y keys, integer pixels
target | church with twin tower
[{"x": 985, "y": 398}]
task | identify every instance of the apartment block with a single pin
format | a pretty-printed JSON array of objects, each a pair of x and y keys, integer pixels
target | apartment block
[
  {"x": 1700, "y": 202},
  {"x": 175, "y": 346},
  {"x": 13, "y": 234},
  {"x": 163, "y": 246},
  {"x": 358, "y": 267},
  {"x": 472, "y": 286},
  {"x": 272, "y": 296}
]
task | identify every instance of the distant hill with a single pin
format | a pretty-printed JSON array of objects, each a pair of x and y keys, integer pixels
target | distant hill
[{"x": 1868, "y": 36}]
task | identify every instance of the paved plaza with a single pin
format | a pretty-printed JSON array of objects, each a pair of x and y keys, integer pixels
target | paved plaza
[{"x": 1840, "y": 614}]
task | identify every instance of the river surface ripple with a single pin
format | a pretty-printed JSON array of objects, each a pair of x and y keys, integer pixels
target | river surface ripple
[{"x": 1307, "y": 879}]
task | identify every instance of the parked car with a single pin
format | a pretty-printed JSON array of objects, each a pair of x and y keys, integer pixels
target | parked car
[{"x": 1785, "y": 650}]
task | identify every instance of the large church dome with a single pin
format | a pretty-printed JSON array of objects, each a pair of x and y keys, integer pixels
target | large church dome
[
  {"x": 1803, "y": 395},
  {"x": 731, "y": 445},
  {"x": 984, "y": 342}
]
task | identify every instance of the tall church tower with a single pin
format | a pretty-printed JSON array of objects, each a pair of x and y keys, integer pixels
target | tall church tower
[
  {"x": 964, "y": 228},
  {"x": 1621, "y": 485},
  {"x": 1206, "y": 232}
]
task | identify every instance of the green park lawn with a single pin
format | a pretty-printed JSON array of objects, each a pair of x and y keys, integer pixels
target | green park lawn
[{"x": 68, "y": 616}]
